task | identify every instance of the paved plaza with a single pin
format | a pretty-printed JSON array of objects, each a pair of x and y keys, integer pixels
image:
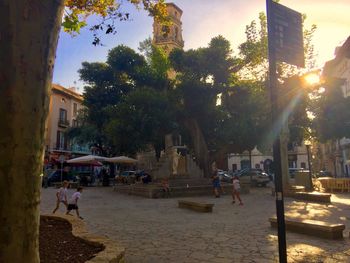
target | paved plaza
[{"x": 156, "y": 231}]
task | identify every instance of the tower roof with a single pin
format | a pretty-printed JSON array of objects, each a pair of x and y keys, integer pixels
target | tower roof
[{"x": 175, "y": 6}]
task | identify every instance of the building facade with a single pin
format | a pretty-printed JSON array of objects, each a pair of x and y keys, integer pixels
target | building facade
[
  {"x": 169, "y": 37},
  {"x": 297, "y": 158},
  {"x": 63, "y": 111},
  {"x": 336, "y": 153}
]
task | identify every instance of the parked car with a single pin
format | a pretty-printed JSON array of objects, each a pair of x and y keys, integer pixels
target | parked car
[
  {"x": 323, "y": 174},
  {"x": 224, "y": 176},
  {"x": 255, "y": 177},
  {"x": 55, "y": 177}
]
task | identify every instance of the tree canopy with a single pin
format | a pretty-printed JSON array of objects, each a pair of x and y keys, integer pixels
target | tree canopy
[{"x": 125, "y": 101}]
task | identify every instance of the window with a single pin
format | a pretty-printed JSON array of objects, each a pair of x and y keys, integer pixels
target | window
[
  {"x": 63, "y": 115},
  {"x": 303, "y": 165},
  {"x": 176, "y": 32},
  {"x": 61, "y": 142},
  {"x": 75, "y": 123},
  {"x": 75, "y": 109},
  {"x": 165, "y": 31},
  {"x": 234, "y": 167}
]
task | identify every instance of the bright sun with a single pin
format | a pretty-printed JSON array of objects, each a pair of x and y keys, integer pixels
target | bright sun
[{"x": 312, "y": 78}]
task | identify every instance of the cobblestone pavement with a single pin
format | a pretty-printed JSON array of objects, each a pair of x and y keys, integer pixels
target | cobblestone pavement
[{"x": 156, "y": 231}]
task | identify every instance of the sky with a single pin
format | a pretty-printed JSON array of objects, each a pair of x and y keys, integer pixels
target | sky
[{"x": 201, "y": 21}]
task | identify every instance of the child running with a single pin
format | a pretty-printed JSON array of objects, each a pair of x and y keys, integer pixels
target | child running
[
  {"x": 236, "y": 190},
  {"x": 73, "y": 202},
  {"x": 61, "y": 196}
]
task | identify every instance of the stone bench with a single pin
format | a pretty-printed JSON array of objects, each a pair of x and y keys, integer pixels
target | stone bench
[
  {"x": 199, "y": 207},
  {"x": 310, "y": 196},
  {"x": 312, "y": 227}
]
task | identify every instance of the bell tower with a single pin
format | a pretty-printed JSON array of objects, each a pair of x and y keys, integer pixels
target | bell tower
[{"x": 169, "y": 37}]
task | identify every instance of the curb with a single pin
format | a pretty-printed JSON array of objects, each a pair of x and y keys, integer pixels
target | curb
[{"x": 112, "y": 253}]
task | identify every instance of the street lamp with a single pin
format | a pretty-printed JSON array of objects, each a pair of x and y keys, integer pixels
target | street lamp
[{"x": 308, "y": 145}]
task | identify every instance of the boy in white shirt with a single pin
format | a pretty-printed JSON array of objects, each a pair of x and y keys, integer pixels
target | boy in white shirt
[
  {"x": 236, "y": 190},
  {"x": 73, "y": 202},
  {"x": 61, "y": 196}
]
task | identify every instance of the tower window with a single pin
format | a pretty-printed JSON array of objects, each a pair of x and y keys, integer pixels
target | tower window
[
  {"x": 176, "y": 32},
  {"x": 165, "y": 31}
]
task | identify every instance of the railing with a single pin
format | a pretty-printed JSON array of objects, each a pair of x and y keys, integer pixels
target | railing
[
  {"x": 63, "y": 123},
  {"x": 80, "y": 149},
  {"x": 74, "y": 148},
  {"x": 335, "y": 184}
]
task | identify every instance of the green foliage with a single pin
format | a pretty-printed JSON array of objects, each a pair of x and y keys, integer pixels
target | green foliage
[
  {"x": 332, "y": 115},
  {"x": 254, "y": 56},
  {"x": 121, "y": 96},
  {"x": 202, "y": 74},
  {"x": 247, "y": 122},
  {"x": 142, "y": 119}
]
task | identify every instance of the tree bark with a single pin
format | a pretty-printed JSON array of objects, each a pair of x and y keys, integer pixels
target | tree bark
[
  {"x": 28, "y": 39},
  {"x": 199, "y": 145}
]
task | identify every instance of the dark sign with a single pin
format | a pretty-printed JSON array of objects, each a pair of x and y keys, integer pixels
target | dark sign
[{"x": 287, "y": 34}]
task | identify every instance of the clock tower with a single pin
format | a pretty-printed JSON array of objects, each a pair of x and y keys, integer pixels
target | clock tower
[{"x": 169, "y": 37}]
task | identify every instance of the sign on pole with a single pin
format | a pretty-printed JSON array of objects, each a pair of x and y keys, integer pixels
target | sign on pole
[
  {"x": 285, "y": 44},
  {"x": 287, "y": 33}
]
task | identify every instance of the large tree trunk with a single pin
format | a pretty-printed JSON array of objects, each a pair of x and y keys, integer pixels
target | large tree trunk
[
  {"x": 28, "y": 39},
  {"x": 199, "y": 145}
]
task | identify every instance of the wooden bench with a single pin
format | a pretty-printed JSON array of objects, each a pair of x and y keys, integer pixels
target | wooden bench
[
  {"x": 199, "y": 207},
  {"x": 310, "y": 196},
  {"x": 312, "y": 227}
]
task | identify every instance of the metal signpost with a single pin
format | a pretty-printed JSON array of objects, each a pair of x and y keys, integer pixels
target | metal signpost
[
  {"x": 61, "y": 159},
  {"x": 285, "y": 44}
]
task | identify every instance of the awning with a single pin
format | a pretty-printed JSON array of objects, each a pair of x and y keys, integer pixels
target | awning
[
  {"x": 121, "y": 159},
  {"x": 88, "y": 159}
]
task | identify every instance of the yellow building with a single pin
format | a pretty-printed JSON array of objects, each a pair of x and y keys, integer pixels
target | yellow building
[{"x": 63, "y": 111}]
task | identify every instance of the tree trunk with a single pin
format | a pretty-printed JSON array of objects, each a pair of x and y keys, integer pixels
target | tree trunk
[
  {"x": 28, "y": 39},
  {"x": 199, "y": 145}
]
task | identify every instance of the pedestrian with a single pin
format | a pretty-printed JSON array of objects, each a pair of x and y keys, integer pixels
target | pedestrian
[
  {"x": 61, "y": 196},
  {"x": 166, "y": 187},
  {"x": 216, "y": 181},
  {"x": 236, "y": 190},
  {"x": 73, "y": 202}
]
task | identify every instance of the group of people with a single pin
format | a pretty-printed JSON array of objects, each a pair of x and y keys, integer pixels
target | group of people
[
  {"x": 217, "y": 187},
  {"x": 72, "y": 203}
]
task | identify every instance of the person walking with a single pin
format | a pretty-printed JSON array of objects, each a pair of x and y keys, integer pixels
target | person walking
[
  {"x": 216, "y": 180},
  {"x": 236, "y": 190},
  {"x": 61, "y": 196},
  {"x": 73, "y": 202}
]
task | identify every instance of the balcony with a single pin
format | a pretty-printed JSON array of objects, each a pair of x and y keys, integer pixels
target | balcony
[
  {"x": 63, "y": 123},
  {"x": 84, "y": 149}
]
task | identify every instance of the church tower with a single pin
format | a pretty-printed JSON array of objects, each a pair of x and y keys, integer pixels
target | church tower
[{"x": 169, "y": 37}]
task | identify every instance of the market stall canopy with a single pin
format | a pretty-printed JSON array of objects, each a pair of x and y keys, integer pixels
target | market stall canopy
[
  {"x": 88, "y": 159},
  {"x": 121, "y": 159}
]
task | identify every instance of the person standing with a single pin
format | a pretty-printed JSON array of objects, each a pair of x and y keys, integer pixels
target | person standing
[
  {"x": 61, "y": 196},
  {"x": 216, "y": 180},
  {"x": 73, "y": 202},
  {"x": 236, "y": 190}
]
